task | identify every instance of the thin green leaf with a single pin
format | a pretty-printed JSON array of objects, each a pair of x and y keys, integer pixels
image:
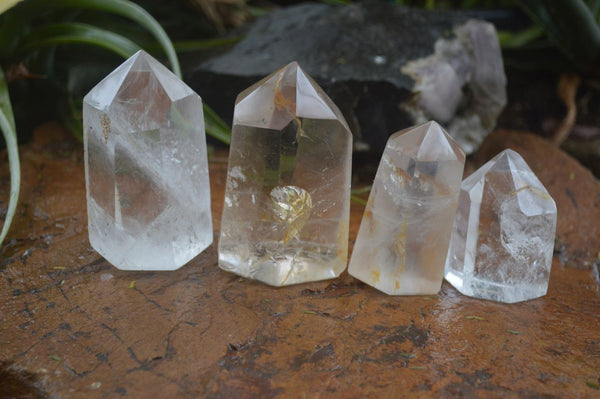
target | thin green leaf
[
  {"x": 594, "y": 6},
  {"x": 361, "y": 190},
  {"x": 572, "y": 27},
  {"x": 256, "y": 12},
  {"x": 337, "y": 2},
  {"x": 357, "y": 200},
  {"x": 539, "y": 14},
  {"x": 215, "y": 126},
  {"x": 475, "y": 318},
  {"x": 205, "y": 44},
  {"x": 580, "y": 32},
  {"x": 519, "y": 39},
  {"x": 7, "y": 125},
  {"x": 78, "y": 33},
  {"x": 592, "y": 385},
  {"x": 131, "y": 11}
]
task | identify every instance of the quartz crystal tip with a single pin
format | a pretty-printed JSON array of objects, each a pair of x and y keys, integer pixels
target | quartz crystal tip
[
  {"x": 503, "y": 235},
  {"x": 287, "y": 198},
  {"x": 404, "y": 234},
  {"x": 148, "y": 194}
]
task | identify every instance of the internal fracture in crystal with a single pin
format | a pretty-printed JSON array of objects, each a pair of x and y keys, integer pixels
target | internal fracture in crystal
[
  {"x": 503, "y": 234},
  {"x": 287, "y": 197},
  {"x": 148, "y": 194},
  {"x": 404, "y": 234}
]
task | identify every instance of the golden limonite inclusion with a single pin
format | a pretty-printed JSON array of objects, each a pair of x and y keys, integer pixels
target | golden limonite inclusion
[
  {"x": 146, "y": 170},
  {"x": 287, "y": 198},
  {"x": 405, "y": 231}
]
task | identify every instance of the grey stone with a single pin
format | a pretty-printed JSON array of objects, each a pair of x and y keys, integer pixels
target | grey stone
[{"x": 387, "y": 67}]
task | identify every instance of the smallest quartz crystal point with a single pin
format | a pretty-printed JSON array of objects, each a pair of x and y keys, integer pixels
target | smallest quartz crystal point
[
  {"x": 404, "y": 234},
  {"x": 503, "y": 234}
]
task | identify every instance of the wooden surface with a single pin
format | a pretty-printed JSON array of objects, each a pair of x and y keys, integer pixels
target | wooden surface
[{"x": 71, "y": 325}]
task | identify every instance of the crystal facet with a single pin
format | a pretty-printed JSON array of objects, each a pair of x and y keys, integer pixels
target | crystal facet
[
  {"x": 148, "y": 194},
  {"x": 287, "y": 199},
  {"x": 404, "y": 234},
  {"x": 503, "y": 235}
]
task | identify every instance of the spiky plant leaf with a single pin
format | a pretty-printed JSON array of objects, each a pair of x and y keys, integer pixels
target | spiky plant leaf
[
  {"x": 78, "y": 33},
  {"x": 131, "y": 11},
  {"x": 7, "y": 125}
]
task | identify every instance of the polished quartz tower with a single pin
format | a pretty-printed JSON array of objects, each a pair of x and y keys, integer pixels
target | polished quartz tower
[
  {"x": 287, "y": 197},
  {"x": 404, "y": 234},
  {"x": 146, "y": 169},
  {"x": 503, "y": 236}
]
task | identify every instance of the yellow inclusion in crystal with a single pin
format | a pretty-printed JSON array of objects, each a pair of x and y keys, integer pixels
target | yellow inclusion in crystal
[
  {"x": 287, "y": 104},
  {"x": 400, "y": 247},
  {"x": 376, "y": 274},
  {"x": 291, "y": 205}
]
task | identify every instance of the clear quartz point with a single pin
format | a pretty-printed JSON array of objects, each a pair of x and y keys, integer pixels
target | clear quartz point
[
  {"x": 503, "y": 235},
  {"x": 404, "y": 234},
  {"x": 287, "y": 197},
  {"x": 148, "y": 194}
]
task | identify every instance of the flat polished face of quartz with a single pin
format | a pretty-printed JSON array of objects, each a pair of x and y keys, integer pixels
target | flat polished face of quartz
[
  {"x": 503, "y": 236},
  {"x": 405, "y": 231},
  {"x": 287, "y": 199},
  {"x": 148, "y": 193}
]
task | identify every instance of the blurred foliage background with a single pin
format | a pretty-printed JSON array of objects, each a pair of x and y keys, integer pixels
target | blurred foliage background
[{"x": 558, "y": 35}]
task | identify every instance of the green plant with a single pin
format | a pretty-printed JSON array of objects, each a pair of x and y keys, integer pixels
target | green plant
[
  {"x": 30, "y": 33},
  {"x": 564, "y": 37},
  {"x": 7, "y": 125}
]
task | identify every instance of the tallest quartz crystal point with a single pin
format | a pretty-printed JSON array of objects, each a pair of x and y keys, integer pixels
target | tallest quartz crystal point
[
  {"x": 146, "y": 167},
  {"x": 287, "y": 199}
]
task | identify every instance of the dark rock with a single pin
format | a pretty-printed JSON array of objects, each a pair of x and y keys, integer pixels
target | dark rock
[{"x": 386, "y": 67}]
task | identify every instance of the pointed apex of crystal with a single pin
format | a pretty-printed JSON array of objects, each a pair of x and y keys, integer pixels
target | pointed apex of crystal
[
  {"x": 140, "y": 61},
  {"x": 286, "y": 95},
  {"x": 139, "y": 64},
  {"x": 438, "y": 145},
  {"x": 427, "y": 142},
  {"x": 508, "y": 160},
  {"x": 102, "y": 95},
  {"x": 171, "y": 84},
  {"x": 532, "y": 196}
]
